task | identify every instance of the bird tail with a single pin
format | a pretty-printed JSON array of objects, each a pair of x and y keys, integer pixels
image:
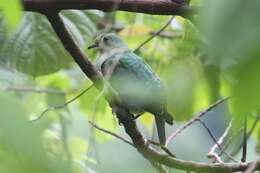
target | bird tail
[{"x": 160, "y": 124}]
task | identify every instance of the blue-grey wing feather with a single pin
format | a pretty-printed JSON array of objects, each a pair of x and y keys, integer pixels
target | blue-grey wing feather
[{"x": 139, "y": 87}]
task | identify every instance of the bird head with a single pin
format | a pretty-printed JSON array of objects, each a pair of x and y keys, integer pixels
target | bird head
[{"x": 107, "y": 42}]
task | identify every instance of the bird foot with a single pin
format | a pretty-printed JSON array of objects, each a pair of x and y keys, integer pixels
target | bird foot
[
  {"x": 137, "y": 116},
  {"x": 166, "y": 150}
]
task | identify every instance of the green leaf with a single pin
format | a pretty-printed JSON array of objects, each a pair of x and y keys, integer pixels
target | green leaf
[
  {"x": 20, "y": 142},
  {"x": 9, "y": 77},
  {"x": 232, "y": 28},
  {"x": 34, "y": 49}
]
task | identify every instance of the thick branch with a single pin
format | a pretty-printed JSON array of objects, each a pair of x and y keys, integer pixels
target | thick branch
[
  {"x": 70, "y": 45},
  {"x": 162, "y": 7},
  {"x": 126, "y": 119}
]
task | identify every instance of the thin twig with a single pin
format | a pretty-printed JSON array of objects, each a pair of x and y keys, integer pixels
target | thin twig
[
  {"x": 64, "y": 136},
  {"x": 166, "y": 150},
  {"x": 92, "y": 136},
  {"x": 167, "y": 35},
  {"x": 36, "y": 90},
  {"x": 154, "y": 34},
  {"x": 212, "y": 153},
  {"x": 111, "y": 133},
  {"x": 61, "y": 105},
  {"x": 244, "y": 148},
  {"x": 229, "y": 140},
  {"x": 189, "y": 123},
  {"x": 235, "y": 151}
]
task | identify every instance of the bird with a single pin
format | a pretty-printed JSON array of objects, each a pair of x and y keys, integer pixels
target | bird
[{"x": 138, "y": 87}]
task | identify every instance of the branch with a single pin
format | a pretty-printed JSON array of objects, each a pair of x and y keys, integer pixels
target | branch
[
  {"x": 127, "y": 119},
  {"x": 167, "y": 34},
  {"x": 110, "y": 133},
  {"x": 252, "y": 168},
  {"x": 201, "y": 114},
  {"x": 212, "y": 153},
  {"x": 36, "y": 90},
  {"x": 154, "y": 34},
  {"x": 229, "y": 140},
  {"x": 162, "y": 7},
  {"x": 236, "y": 150},
  {"x": 61, "y": 105},
  {"x": 244, "y": 151}
]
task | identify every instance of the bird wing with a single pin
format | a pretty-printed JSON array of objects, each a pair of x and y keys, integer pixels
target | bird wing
[
  {"x": 140, "y": 69},
  {"x": 135, "y": 81},
  {"x": 151, "y": 85}
]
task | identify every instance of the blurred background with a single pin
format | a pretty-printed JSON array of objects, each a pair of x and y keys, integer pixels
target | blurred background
[{"x": 213, "y": 55}]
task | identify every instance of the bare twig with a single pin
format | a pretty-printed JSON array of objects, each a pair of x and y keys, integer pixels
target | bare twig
[
  {"x": 154, "y": 34},
  {"x": 236, "y": 150},
  {"x": 92, "y": 136},
  {"x": 229, "y": 140},
  {"x": 201, "y": 114},
  {"x": 166, "y": 150},
  {"x": 64, "y": 136},
  {"x": 167, "y": 35},
  {"x": 110, "y": 133},
  {"x": 61, "y": 105},
  {"x": 212, "y": 153},
  {"x": 36, "y": 90},
  {"x": 244, "y": 148}
]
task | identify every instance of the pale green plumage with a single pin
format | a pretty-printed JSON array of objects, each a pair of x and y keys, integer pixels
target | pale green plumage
[{"x": 139, "y": 88}]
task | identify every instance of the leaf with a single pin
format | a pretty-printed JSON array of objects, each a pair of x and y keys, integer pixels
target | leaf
[
  {"x": 232, "y": 29},
  {"x": 9, "y": 77},
  {"x": 20, "y": 142},
  {"x": 233, "y": 32},
  {"x": 34, "y": 49}
]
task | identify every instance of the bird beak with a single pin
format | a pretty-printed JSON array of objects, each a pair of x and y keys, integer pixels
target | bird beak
[{"x": 93, "y": 46}]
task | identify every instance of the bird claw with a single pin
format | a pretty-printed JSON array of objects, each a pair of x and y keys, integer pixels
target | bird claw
[
  {"x": 166, "y": 150},
  {"x": 136, "y": 116}
]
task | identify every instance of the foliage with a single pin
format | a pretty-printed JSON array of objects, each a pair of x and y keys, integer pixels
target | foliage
[
  {"x": 215, "y": 55},
  {"x": 233, "y": 38},
  {"x": 34, "y": 48}
]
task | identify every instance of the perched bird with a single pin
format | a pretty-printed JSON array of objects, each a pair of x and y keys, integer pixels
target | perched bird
[{"x": 137, "y": 85}]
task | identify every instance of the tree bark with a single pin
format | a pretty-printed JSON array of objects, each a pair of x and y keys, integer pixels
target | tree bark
[{"x": 162, "y": 7}]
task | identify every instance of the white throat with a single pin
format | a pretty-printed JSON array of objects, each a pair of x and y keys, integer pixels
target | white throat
[{"x": 107, "y": 54}]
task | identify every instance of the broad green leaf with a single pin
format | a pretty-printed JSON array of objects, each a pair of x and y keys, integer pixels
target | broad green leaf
[
  {"x": 34, "y": 49},
  {"x": 10, "y": 77},
  {"x": 20, "y": 142},
  {"x": 232, "y": 29}
]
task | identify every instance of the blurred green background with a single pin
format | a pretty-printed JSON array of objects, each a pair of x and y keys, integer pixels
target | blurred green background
[{"x": 214, "y": 55}]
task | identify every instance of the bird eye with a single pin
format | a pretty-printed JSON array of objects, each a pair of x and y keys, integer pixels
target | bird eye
[{"x": 105, "y": 39}]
